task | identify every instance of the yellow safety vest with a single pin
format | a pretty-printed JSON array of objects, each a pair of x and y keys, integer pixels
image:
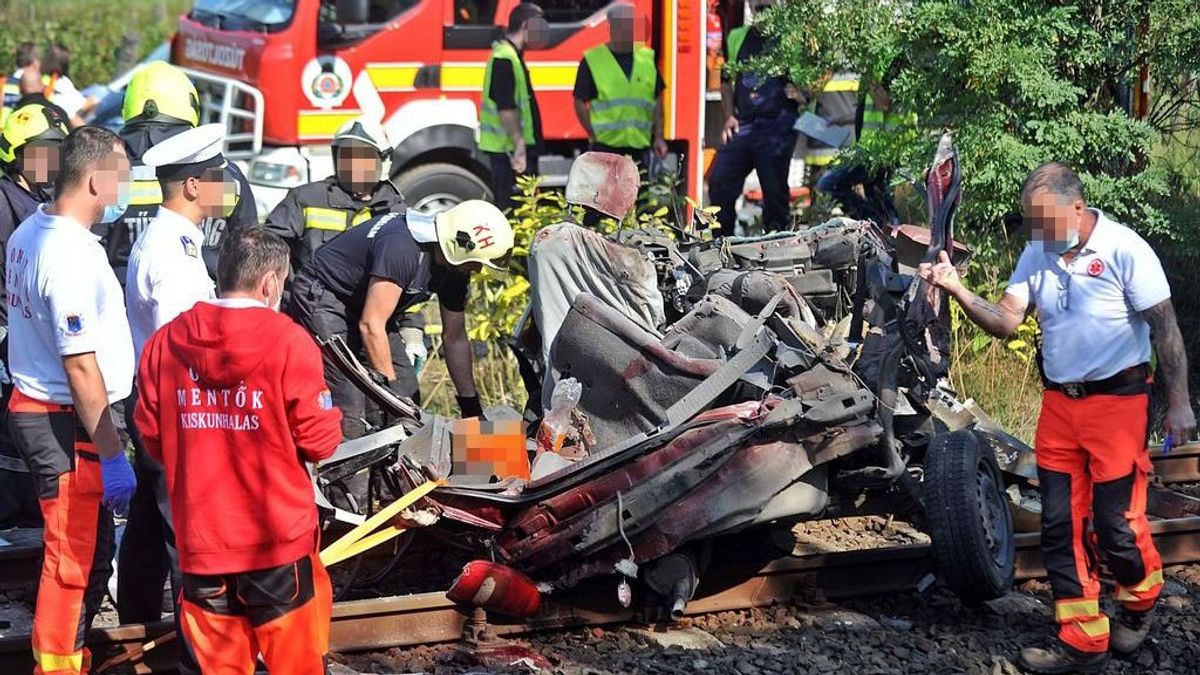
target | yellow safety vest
[
  {"x": 622, "y": 115},
  {"x": 492, "y": 136}
]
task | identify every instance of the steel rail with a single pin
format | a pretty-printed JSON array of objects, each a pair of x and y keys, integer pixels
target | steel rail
[{"x": 429, "y": 618}]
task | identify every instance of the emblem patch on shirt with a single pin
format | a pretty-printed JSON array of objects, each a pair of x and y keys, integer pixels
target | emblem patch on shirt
[
  {"x": 1095, "y": 268},
  {"x": 74, "y": 324},
  {"x": 189, "y": 247},
  {"x": 325, "y": 399}
]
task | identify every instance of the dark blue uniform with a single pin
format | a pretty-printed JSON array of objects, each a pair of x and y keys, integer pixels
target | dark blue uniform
[
  {"x": 765, "y": 141},
  {"x": 328, "y": 296}
]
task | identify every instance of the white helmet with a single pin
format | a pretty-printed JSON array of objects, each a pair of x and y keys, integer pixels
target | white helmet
[
  {"x": 475, "y": 231},
  {"x": 363, "y": 130}
]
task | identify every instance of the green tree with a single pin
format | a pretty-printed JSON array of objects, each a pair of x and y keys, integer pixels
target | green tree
[{"x": 1019, "y": 82}]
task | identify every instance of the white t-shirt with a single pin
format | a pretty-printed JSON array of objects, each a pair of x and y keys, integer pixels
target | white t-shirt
[
  {"x": 63, "y": 299},
  {"x": 166, "y": 275},
  {"x": 1090, "y": 310},
  {"x": 67, "y": 96}
]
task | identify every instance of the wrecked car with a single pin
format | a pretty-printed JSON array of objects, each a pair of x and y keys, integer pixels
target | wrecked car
[{"x": 717, "y": 386}]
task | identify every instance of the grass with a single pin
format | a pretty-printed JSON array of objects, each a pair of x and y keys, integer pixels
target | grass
[{"x": 1005, "y": 386}]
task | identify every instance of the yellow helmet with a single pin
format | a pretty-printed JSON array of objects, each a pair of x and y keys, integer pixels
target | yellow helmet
[
  {"x": 33, "y": 122},
  {"x": 475, "y": 231},
  {"x": 159, "y": 90}
]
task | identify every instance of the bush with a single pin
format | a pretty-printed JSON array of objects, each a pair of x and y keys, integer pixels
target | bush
[{"x": 96, "y": 31}]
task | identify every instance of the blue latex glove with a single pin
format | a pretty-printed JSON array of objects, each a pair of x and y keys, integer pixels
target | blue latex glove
[
  {"x": 119, "y": 482},
  {"x": 1168, "y": 444}
]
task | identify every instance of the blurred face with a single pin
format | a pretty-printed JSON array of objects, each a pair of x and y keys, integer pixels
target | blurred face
[
  {"x": 39, "y": 163},
  {"x": 216, "y": 192},
  {"x": 359, "y": 167},
  {"x": 110, "y": 181},
  {"x": 621, "y": 27},
  {"x": 538, "y": 33},
  {"x": 1054, "y": 219}
]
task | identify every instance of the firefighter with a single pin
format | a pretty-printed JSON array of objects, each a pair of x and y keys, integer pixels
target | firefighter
[
  {"x": 837, "y": 104},
  {"x": 359, "y": 280},
  {"x": 878, "y": 113},
  {"x": 618, "y": 92},
  {"x": 233, "y": 404},
  {"x": 1100, "y": 295},
  {"x": 160, "y": 101},
  {"x": 312, "y": 214},
  {"x": 72, "y": 357},
  {"x": 759, "y": 134},
  {"x": 166, "y": 276},
  {"x": 510, "y": 125},
  {"x": 29, "y": 152}
]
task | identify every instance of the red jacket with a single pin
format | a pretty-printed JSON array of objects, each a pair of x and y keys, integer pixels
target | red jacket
[{"x": 232, "y": 401}]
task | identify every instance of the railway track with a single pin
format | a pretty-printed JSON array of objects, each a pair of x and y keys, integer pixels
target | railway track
[{"x": 429, "y": 618}]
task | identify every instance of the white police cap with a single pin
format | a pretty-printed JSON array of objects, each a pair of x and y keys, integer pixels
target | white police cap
[{"x": 188, "y": 153}]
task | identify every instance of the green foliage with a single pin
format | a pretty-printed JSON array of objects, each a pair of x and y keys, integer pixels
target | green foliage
[
  {"x": 93, "y": 29},
  {"x": 1019, "y": 82}
]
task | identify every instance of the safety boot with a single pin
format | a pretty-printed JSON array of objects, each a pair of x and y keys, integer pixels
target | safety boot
[
  {"x": 1131, "y": 630},
  {"x": 1060, "y": 658}
]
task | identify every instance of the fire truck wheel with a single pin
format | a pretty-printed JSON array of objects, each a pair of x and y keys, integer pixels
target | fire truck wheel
[
  {"x": 430, "y": 188},
  {"x": 967, "y": 517}
]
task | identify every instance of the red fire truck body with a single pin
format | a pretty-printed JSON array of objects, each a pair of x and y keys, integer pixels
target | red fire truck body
[{"x": 283, "y": 75}]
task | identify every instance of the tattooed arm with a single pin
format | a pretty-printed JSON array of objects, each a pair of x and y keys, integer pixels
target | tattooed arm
[
  {"x": 999, "y": 319},
  {"x": 1172, "y": 366}
]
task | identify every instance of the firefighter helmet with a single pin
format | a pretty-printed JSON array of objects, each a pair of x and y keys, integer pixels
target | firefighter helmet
[
  {"x": 363, "y": 131},
  {"x": 160, "y": 91},
  {"x": 475, "y": 231},
  {"x": 30, "y": 123}
]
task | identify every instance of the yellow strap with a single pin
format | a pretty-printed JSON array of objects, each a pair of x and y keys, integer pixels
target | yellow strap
[
  {"x": 145, "y": 193},
  {"x": 363, "y": 215},
  {"x": 363, "y": 536},
  {"x": 1095, "y": 627},
  {"x": 317, "y": 218},
  {"x": 72, "y": 662},
  {"x": 1127, "y": 594},
  {"x": 1075, "y": 609}
]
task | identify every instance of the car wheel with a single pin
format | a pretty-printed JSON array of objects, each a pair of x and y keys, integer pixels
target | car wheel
[
  {"x": 967, "y": 516},
  {"x": 432, "y": 188}
]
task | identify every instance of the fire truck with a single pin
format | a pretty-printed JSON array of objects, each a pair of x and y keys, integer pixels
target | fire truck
[{"x": 283, "y": 75}]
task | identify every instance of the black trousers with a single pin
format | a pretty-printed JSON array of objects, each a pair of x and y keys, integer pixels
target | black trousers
[
  {"x": 326, "y": 316},
  {"x": 504, "y": 179},
  {"x": 18, "y": 493},
  {"x": 765, "y": 146},
  {"x": 147, "y": 556}
]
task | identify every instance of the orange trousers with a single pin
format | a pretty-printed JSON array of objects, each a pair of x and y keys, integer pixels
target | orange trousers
[
  {"x": 78, "y": 531},
  {"x": 282, "y": 612},
  {"x": 1093, "y": 467}
]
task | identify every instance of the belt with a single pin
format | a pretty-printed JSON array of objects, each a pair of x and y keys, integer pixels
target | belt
[
  {"x": 1129, "y": 382},
  {"x": 22, "y": 403}
]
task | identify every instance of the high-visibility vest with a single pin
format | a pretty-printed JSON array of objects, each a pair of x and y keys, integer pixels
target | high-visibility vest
[
  {"x": 737, "y": 37},
  {"x": 623, "y": 113},
  {"x": 12, "y": 95},
  {"x": 492, "y": 136},
  {"x": 875, "y": 120},
  {"x": 839, "y": 83}
]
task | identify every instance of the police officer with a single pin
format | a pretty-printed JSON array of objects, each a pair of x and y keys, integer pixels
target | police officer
[
  {"x": 29, "y": 152},
  {"x": 354, "y": 284},
  {"x": 759, "y": 134},
  {"x": 313, "y": 214},
  {"x": 72, "y": 357},
  {"x": 160, "y": 101},
  {"x": 618, "y": 92},
  {"x": 1101, "y": 296},
  {"x": 510, "y": 124},
  {"x": 166, "y": 276}
]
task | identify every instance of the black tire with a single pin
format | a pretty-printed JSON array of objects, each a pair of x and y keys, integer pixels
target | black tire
[
  {"x": 967, "y": 517},
  {"x": 430, "y": 188}
]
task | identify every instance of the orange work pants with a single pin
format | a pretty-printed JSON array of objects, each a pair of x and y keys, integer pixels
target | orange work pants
[
  {"x": 78, "y": 531},
  {"x": 1093, "y": 467},
  {"x": 282, "y": 612}
]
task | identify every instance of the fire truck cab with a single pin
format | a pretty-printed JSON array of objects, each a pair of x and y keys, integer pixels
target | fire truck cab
[{"x": 283, "y": 75}]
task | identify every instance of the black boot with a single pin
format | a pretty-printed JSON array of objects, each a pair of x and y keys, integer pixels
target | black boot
[
  {"x": 1131, "y": 630},
  {"x": 1060, "y": 658}
]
